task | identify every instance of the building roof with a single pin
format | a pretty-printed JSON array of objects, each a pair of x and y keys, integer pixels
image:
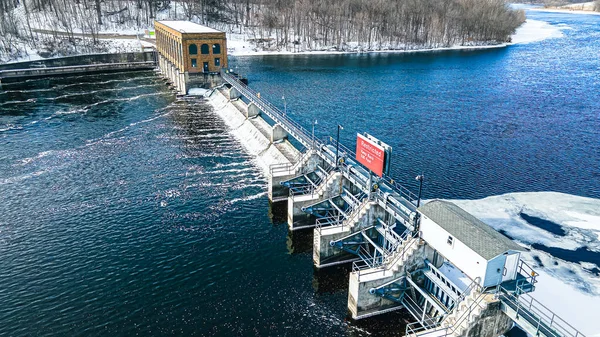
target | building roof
[
  {"x": 474, "y": 233},
  {"x": 188, "y": 27}
]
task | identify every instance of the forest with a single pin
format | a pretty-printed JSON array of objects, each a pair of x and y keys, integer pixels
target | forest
[{"x": 293, "y": 25}]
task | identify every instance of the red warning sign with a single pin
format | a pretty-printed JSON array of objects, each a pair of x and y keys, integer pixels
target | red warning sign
[{"x": 370, "y": 154}]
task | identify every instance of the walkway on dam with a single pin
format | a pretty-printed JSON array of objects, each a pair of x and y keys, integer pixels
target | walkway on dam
[{"x": 387, "y": 184}]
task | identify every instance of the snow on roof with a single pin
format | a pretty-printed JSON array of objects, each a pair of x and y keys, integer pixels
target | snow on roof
[
  {"x": 474, "y": 233},
  {"x": 188, "y": 27},
  {"x": 460, "y": 279}
]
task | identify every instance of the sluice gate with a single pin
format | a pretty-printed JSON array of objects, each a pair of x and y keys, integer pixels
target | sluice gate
[{"x": 404, "y": 256}]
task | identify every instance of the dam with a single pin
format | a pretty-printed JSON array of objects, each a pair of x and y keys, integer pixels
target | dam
[
  {"x": 382, "y": 225},
  {"x": 454, "y": 274}
]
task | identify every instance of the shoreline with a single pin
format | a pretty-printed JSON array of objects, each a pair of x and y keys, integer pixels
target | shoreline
[
  {"x": 530, "y": 31},
  {"x": 565, "y": 11},
  {"x": 387, "y": 51}
]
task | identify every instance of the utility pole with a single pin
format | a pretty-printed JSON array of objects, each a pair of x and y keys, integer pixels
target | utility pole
[{"x": 337, "y": 144}]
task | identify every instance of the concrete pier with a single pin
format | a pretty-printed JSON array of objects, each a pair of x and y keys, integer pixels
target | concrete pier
[{"x": 436, "y": 262}]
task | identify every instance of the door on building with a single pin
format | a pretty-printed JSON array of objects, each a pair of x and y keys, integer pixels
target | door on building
[
  {"x": 205, "y": 65},
  {"x": 510, "y": 267}
]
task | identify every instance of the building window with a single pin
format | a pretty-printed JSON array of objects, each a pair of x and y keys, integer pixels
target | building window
[
  {"x": 217, "y": 62},
  {"x": 193, "y": 49},
  {"x": 450, "y": 240},
  {"x": 216, "y": 48},
  {"x": 194, "y": 63},
  {"x": 204, "y": 49}
]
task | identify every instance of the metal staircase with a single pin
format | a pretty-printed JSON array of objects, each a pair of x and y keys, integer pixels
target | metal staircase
[
  {"x": 470, "y": 303},
  {"x": 532, "y": 316},
  {"x": 335, "y": 210},
  {"x": 307, "y": 182}
]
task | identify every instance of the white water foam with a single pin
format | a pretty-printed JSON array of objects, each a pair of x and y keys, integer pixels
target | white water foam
[
  {"x": 566, "y": 288},
  {"x": 247, "y": 198},
  {"x": 197, "y": 91},
  {"x": 253, "y": 141}
]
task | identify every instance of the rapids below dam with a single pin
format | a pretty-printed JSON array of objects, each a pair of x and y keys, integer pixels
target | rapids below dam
[{"x": 126, "y": 211}]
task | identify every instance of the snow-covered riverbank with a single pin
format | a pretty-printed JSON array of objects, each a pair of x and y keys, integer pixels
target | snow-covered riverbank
[
  {"x": 530, "y": 31},
  {"x": 576, "y": 8},
  {"x": 565, "y": 11}
]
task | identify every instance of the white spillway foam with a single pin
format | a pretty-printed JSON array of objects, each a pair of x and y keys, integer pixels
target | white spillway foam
[
  {"x": 247, "y": 134},
  {"x": 197, "y": 91}
]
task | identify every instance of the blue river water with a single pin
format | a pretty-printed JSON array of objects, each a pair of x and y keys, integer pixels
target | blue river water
[
  {"x": 476, "y": 123},
  {"x": 125, "y": 211}
]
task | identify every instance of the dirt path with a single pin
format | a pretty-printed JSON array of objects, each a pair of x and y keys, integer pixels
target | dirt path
[{"x": 99, "y": 36}]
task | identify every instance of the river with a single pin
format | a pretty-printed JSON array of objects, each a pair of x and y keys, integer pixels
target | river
[{"x": 125, "y": 211}]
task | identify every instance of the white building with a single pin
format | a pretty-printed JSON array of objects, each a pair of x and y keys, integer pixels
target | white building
[{"x": 469, "y": 244}]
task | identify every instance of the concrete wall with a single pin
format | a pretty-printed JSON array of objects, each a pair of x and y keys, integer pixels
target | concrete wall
[
  {"x": 323, "y": 253},
  {"x": 492, "y": 322},
  {"x": 296, "y": 203},
  {"x": 172, "y": 73},
  {"x": 149, "y": 56},
  {"x": 361, "y": 302},
  {"x": 15, "y": 75},
  {"x": 252, "y": 139},
  {"x": 459, "y": 254},
  {"x": 278, "y": 133}
]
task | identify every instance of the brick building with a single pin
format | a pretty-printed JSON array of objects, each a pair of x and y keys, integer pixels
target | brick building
[{"x": 189, "y": 52}]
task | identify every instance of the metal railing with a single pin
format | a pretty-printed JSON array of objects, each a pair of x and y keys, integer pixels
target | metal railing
[
  {"x": 544, "y": 320},
  {"x": 398, "y": 238},
  {"x": 308, "y": 140},
  {"x": 290, "y": 168},
  {"x": 278, "y": 116},
  {"x": 406, "y": 246},
  {"x": 311, "y": 186},
  {"x": 387, "y": 262},
  {"x": 324, "y": 182},
  {"x": 341, "y": 220},
  {"x": 473, "y": 286},
  {"x": 412, "y": 329},
  {"x": 526, "y": 270},
  {"x": 329, "y": 221}
]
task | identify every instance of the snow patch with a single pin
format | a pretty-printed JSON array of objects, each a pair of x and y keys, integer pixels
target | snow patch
[
  {"x": 530, "y": 31},
  {"x": 571, "y": 290},
  {"x": 535, "y": 30},
  {"x": 578, "y": 216}
]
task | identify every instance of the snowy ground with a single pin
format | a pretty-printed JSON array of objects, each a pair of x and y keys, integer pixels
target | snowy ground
[
  {"x": 535, "y": 30},
  {"x": 568, "y": 11},
  {"x": 578, "y": 8},
  {"x": 241, "y": 45},
  {"x": 570, "y": 289},
  {"x": 530, "y": 31}
]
